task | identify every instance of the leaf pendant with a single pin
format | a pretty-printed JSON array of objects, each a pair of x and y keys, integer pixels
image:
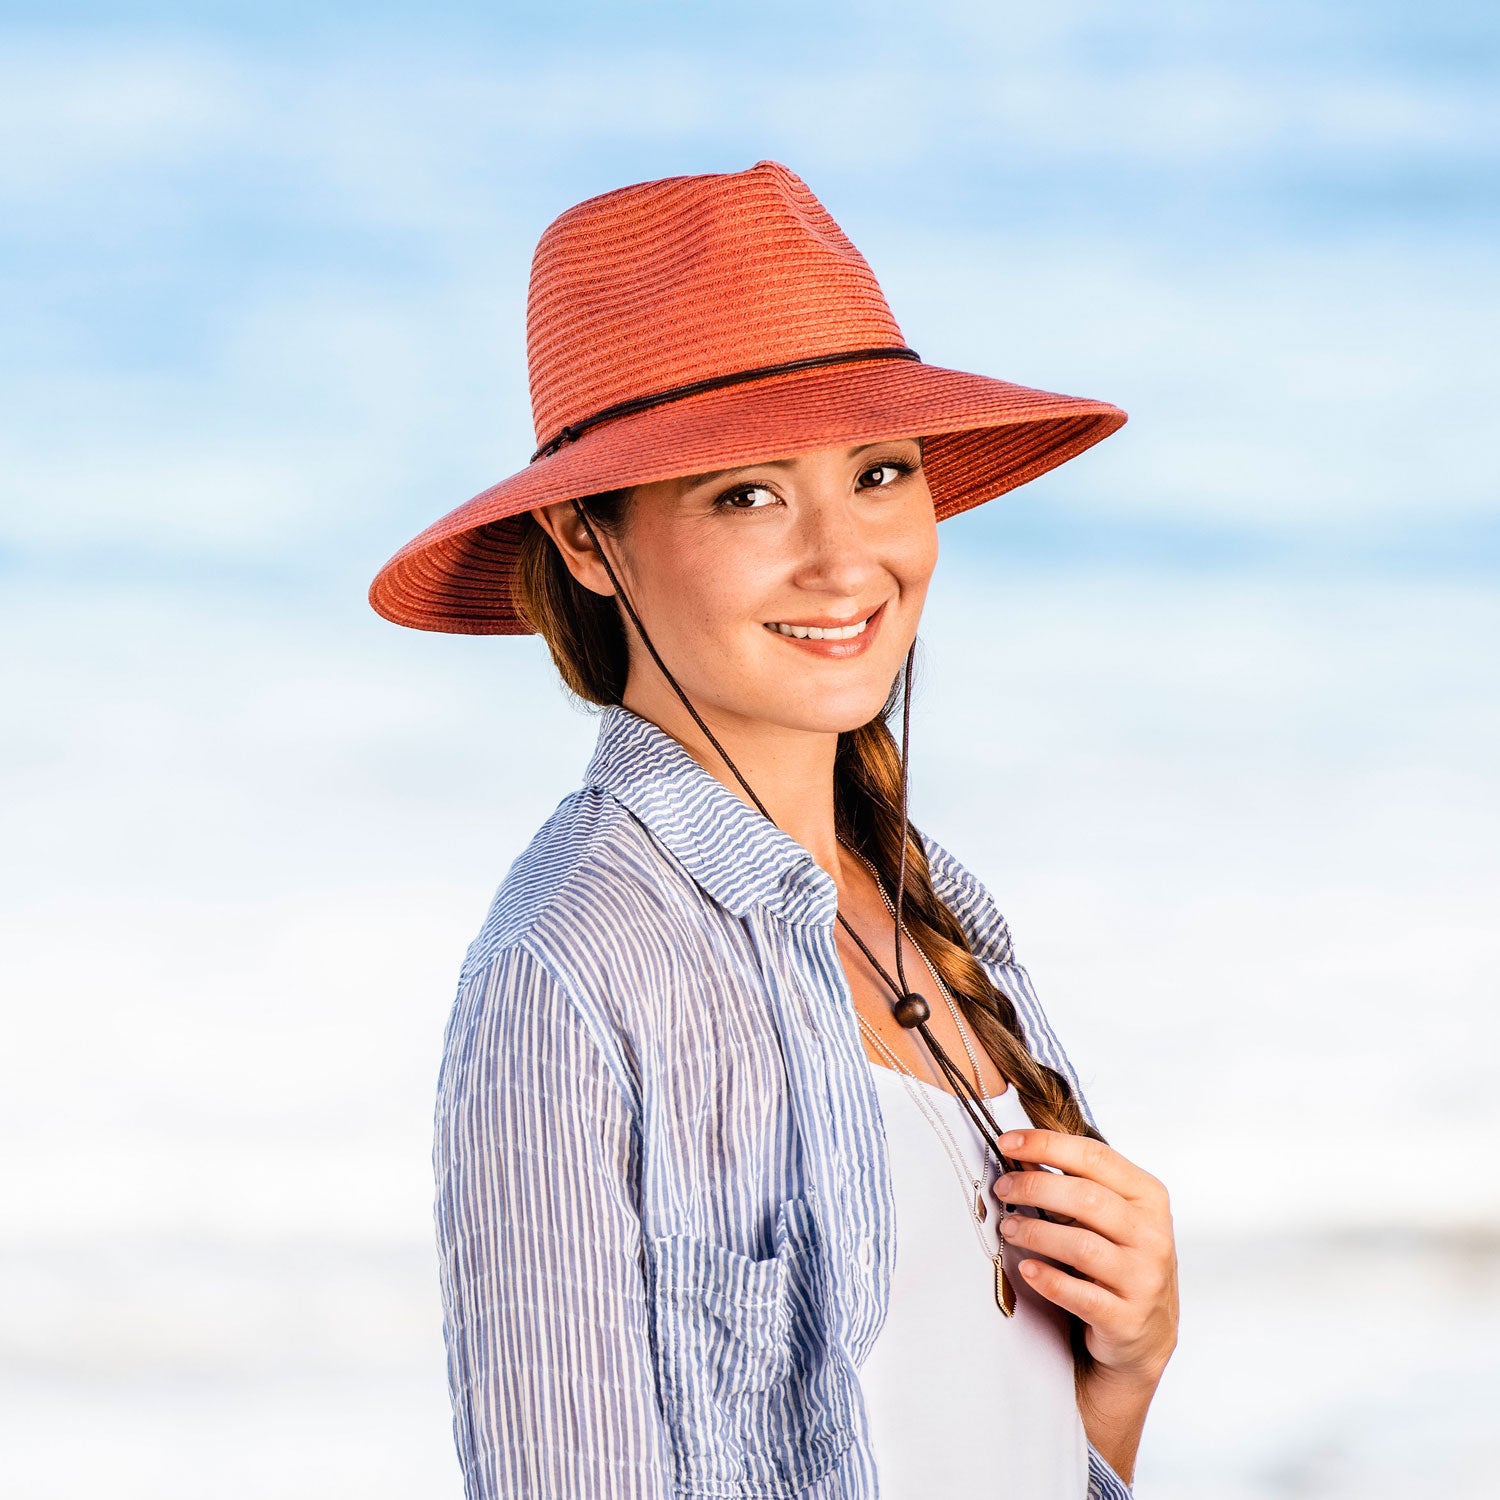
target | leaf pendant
[
  {"x": 981, "y": 1208},
  {"x": 1005, "y": 1293}
]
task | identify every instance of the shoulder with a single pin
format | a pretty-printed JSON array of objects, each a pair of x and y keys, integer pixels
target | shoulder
[
  {"x": 967, "y": 897},
  {"x": 590, "y": 874},
  {"x": 590, "y": 896}
]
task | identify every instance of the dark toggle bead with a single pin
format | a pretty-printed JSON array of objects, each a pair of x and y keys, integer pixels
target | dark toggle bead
[{"x": 911, "y": 1010}]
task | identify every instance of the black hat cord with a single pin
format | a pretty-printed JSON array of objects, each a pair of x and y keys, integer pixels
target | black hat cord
[{"x": 911, "y": 1010}]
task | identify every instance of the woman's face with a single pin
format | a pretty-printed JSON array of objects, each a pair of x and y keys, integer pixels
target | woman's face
[{"x": 714, "y": 563}]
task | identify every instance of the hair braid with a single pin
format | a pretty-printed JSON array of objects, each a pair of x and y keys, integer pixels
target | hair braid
[{"x": 867, "y": 816}]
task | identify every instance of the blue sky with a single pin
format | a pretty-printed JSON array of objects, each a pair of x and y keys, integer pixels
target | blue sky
[
  {"x": 288, "y": 247},
  {"x": 1228, "y": 680}
]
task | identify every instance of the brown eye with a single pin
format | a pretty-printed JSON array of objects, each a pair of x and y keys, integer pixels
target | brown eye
[
  {"x": 725, "y": 500},
  {"x": 897, "y": 469}
]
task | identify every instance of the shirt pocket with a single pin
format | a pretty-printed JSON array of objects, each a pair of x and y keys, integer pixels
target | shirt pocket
[{"x": 758, "y": 1398}]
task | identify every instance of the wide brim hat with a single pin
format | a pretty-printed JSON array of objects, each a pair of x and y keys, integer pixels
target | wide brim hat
[{"x": 705, "y": 322}]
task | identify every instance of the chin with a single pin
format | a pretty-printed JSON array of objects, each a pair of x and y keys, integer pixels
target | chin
[{"x": 823, "y": 714}]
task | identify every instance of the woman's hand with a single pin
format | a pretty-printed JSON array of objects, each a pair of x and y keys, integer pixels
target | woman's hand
[{"x": 1116, "y": 1230}]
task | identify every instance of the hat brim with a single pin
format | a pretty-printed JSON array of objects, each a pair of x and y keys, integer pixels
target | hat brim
[{"x": 982, "y": 437}]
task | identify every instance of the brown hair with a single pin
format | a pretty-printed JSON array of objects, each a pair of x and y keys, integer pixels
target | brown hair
[{"x": 585, "y": 634}]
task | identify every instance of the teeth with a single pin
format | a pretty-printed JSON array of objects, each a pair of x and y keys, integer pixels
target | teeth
[{"x": 821, "y": 633}]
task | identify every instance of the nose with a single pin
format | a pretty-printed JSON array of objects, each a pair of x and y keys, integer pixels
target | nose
[{"x": 835, "y": 549}]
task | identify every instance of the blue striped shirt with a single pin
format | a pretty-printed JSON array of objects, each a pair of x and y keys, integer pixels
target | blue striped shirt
[{"x": 664, "y": 1215}]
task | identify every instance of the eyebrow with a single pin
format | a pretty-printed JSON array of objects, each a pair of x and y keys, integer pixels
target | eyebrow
[{"x": 691, "y": 481}]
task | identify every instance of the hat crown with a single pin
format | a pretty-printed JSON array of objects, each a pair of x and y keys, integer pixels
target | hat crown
[{"x": 685, "y": 278}]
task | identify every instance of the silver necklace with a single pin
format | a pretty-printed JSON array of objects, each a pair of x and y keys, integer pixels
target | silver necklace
[{"x": 1005, "y": 1297}]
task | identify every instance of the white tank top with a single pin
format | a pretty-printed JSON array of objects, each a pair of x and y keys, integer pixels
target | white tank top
[{"x": 964, "y": 1401}]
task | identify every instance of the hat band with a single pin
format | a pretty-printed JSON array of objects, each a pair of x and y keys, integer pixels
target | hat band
[{"x": 677, "y": 392}]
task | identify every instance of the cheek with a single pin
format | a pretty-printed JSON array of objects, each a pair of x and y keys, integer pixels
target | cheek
[
  {"x": 702, "y": 605},
  {"x": 915, "y": 557}
]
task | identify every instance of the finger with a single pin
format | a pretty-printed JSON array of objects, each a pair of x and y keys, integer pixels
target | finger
[
  {"x": 1095, "y": 1304},
  {"x": 1095, "y": 1207},
  {"x": 1082, "y": 1156},
  {"x": 1091, "y": 1254}
]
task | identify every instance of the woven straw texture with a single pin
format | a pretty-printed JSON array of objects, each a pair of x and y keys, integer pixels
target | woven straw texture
[{"x": 662, "y": 283}]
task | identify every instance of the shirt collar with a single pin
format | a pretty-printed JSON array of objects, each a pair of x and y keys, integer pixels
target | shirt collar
[{"x": 733, "y": 851}]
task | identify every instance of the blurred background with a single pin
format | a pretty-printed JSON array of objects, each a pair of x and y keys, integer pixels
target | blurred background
[{"x": 1229, "y": 682}]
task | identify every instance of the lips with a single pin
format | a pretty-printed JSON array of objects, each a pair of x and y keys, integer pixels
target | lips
[
  {"x": 833, "y": 642},
  {"x": 820, "y": 633},
  {"x": 827, "y": 630}
]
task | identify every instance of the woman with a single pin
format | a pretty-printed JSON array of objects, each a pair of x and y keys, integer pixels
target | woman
[{"x": 716, "y": 1156}]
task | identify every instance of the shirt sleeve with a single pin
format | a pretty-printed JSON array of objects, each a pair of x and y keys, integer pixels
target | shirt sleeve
[{"x": 545, "y": 1317}]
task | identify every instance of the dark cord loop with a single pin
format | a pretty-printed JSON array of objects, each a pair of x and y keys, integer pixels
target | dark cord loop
[{"x": 574, "y": 430}]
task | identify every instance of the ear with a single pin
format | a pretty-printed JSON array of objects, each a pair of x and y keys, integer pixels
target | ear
[{"x": 563, "y": 524}]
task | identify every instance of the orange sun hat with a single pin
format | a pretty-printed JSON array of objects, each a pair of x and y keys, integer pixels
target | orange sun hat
[{"x": 707, "y": 322}]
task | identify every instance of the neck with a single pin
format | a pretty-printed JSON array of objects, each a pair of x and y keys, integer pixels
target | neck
[{"x": 790, "y": 770}]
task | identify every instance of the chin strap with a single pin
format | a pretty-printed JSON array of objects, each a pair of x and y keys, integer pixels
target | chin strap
[{"x": 910, "y": 1010}]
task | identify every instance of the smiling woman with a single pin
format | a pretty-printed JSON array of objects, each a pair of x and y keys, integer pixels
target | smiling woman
[
  {"x": 707, "y": 1163},
  {"x": 696, "y": 525},
  {"x": 722, "y": 561}
]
